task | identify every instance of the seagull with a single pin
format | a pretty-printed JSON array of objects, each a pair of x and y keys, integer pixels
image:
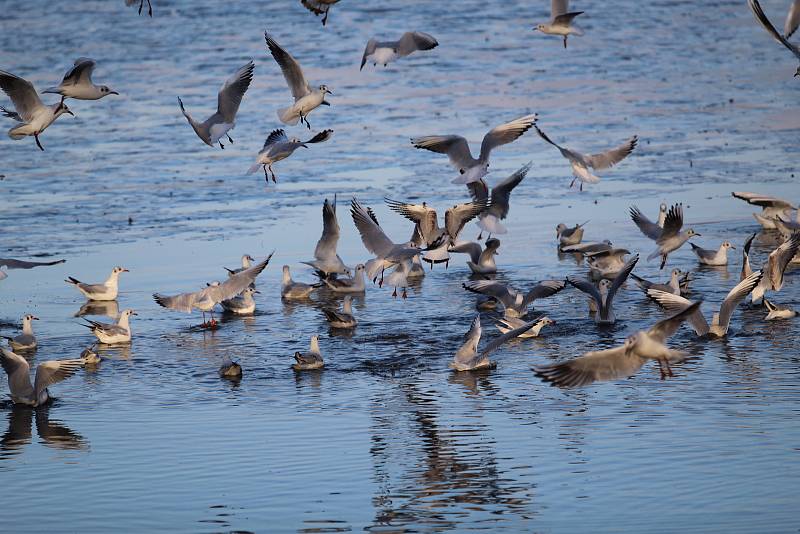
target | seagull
[
  {"x": 241, "y": 304},
  {"x": 792, "y": 19},
  {"x": 776, "y": 311},
  {"x": 291, "y": 290},
  {"x": 108, "y": 290},
  {"x": 211, "y": 130},
  {"x": 26, "y": 340},
  {"x": 356, "y": 284},
  {"x": 560, "y": 21},
  {"x": 481, "y": 259},
  {"x": 457, "y": 149},
  {"x": 230, "y": 368},
  {"x": 506, "y": 324},
  {"x": 205, "y": 299},
  {"x": 387, "y": 253},
  {"x": 771, "y": 207},
  {"x": 278, "y": 147},
  {"x": 746, "y": 269},
  {"x": 603, "y": 295},
  {"x": 489, "y": 220},
  {"x": 649, "y": 228},
  {"x": 673, "y": 286},
  {"x": 713, "y": 257},
  {"x": 77, "y": 83},
  {"x": 113, "y": 333},
  {"x": 515, "y": 302},
  {"x": 764, "y": 21},
  {"x": 319, "y": 7},
  {"x": 720, "y": 321},
  {"x": 426, "y": 223},
  {"x": 141, "y": 5},
  {"x": 344, "y": 318},
  {"x": 587, "y": 248},
  {"x": 22, "y": 264},
  {"x": 247, "y": 262},
  {"x": 469, "y": 359},
  {"x": 326, "y": 261},
  {"x": 309, "y": 360},
  {"x": 306, "y": 99},
  {"x": 775, "y": 266},
  {"x": 30, "y": 111},
  {"x": 384, "y": 52},
  {"x": 47, "y": 373},
  {"x": 607, "y": 263},
  {"x": 623, "y": 361},
  {"x": 569, "y": 236},
  {"x": 580, "y": 163},
  {"x": 671, "y": 237},
  {"x": 89, "y": 356}
]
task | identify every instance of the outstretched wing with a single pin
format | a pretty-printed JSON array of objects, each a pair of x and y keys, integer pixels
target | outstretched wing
[
  {"x": 501, "y": 193},
  {"x": 326, "y": 246},
  {"x": 18, "y": 371},
  {"x": 666, "y": 327},
  {"x": 505, "y": 133},
  {"x": 544, "y": 289},
  {"x": 609, "y": 364},
  {"x": 372, "y": 44},
  {"x": 322, "y": 136},
  {"x": 779, "y": 259},
  {"x": 54, "y": 371},
  {"x": 371, "y": 233},
  {"x": 609, "y": 158},
  {"x": 413, "y": 41},
  {"x": 230, "y": 96},
  {"x": 22, "y": 264},
  {"x": 792, "y": 19},
  {"x": 275, "y": 136},
  {"x": 454, "y": 146},
  {"x": 511, "y": 334},
  {"x": 420, "y": 214},
  {"x": 290, "y": 68},
  {"x": 82, "y": 70},
  {"x": 456, "y": 217},
  {"x": 648, "y": 227},
  {"x": 764, "y": 21},
  {"x": 491, "y": 288},
  {"x": 737, "y": 295},
  {"x": 22, "y": 94},
  {"x": 673, "y": 222},
  {"x": 676, "y": 303}
]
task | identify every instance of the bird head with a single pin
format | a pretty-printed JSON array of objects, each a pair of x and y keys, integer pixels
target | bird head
[
  {"x": 691, "y": 233},
  {"x": 728, "y": 244},
  {"x": 62, "y": 108},
  {"x": 30, "y": 317},
  {"x": 106, "y": 90},
  {"x": 324, "y": 90},
  {"x": 539, "y": 27},
  {"x": 118, "y": 270}
]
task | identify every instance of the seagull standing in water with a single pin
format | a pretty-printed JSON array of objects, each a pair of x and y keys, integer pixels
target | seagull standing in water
[
  {"x": 306, "y": 99},
  {"x": 278, "y": 147},
  {"x": 77, "y": 83},
  {"x": 569, "y": 236},
  {"x": 580, "y": 163},
  {"x": 291, "y": 290},
  {"x": 457, "y": 149},
  {"x": 343, "y": 318},
  {"x": 489, "y": 220},
  {"x": 108, "y": 290},
  {"x": 211, "y": 130},
  {"x": 383, "y": 52},
  {"x": 26, "y": 340},
  {"x": 305, "y": 361},
  {"x": 713, "y": 257},
  {"x": 120, "y": 332},
  {"x": 467, "y": 358},
  {"x": 326, "y": 261},
  {"x": 560, "y": 21},
  {"x": 29, "y": 110},
  {"x": 47, "y": 373}
]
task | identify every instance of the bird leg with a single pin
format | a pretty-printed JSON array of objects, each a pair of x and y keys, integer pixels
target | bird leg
[
  {"x": 149, "y": 8},
  {"x": 213, "y": 323},
  {"x": 274, "y": 178},
  {"x": 394, "y": 293},
  {"x": 581, "y": 187},
  {"x": 325, "y": 18},
  {"x": 38, "y": 143},
  {"x": 565, "y": 41},
  {"x": 221, "y": 145},
  {"x": 669, "y": 369},
  {"x": 266, "y": 176},
  {"x": 572, "y": 183},
  {"x": 405, "y": 295},
  {"x": 661, "y": 368},
  {"x": 229, "y": 138},
  {"x": 663, "y": 260},
  {"x": 480, "y": 235}
]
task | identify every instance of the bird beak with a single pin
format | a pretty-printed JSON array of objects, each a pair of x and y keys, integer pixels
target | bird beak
[
  {"x": 257, "y": 291},
  {"x": 733, "y": 247},
  {"x": 796, "y": 74},
  {"x": 329, "y": 91},
  {"x": 303, "y": 145},
  {"x": 134, "y": 313},
  {"x": 125, "y": 271},
  {"x": 35, "y": 318},
  {"x": 696, "y": 234},
  {"x": 68, "y": 111},
  {"x": 113, "y": 93}
]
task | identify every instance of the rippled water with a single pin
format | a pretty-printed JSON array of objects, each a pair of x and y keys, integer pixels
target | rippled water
[{"x": 385, "y": 437}]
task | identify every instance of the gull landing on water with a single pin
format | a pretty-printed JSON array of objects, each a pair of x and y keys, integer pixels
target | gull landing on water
[
  {"x": 26, "y": 340},
  {"x": 771, "y": 208},
  {"x": 489, "y": 219},
  {"x": 47, "y": 373},
  {"x": 211, "y": 130},
  {"x": 560, "y": 21},
  {"x": 383, "y": 52},
  {"x": 278, "y": 147},
  {"x": 457, "y": 149},
  {"x": 603, "y": 296},
  {"x": 34, "y": 115},
  {"x": 77, "y": 83},
  {"x": 580, "y": 163},
  {"x": 306, "y": 99}
]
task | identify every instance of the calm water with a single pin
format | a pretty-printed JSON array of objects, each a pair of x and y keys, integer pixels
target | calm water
[{"x": 385, "y": 437}]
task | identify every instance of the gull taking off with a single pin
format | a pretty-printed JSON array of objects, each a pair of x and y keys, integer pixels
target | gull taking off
[
  {"x": 211, "y": 130},
  {"x": 713, "y": 257},
  {"x": 120, "y": 332},
  {"x": 764, "y": 21},
  {"x": 278, "y": 147},
  {"x": 208, "y": 297},
  {"x": 77, "y": 83},
  {"x": 469, "y": 359},
  {"x": 646, "y": 226},
  {"x": 47, "y": 373},
  {"x": 306, "y": 99},
  {"x": 312, "y": 359},
  {"x": 774, "y": 268},
  {"x": 721, "y": 320},
  {"x": 481, "y": 261},
  {"x": 603, "y": 295},
  {"x": 29, "y": 110},
  {"x": 457, "y": 149},
  {"x": 515, "y": 302},
  {"x": 507, "y": 324},
  {"x": 343, "y": 318},
  {"x": 776, "y": 311},
  {"x": 671, "y": 237},
  {"x": 291, "y": 290},
  {"x": 319, "y": 7},
  {"x": 326, "y": 261},
  {"x": 580, "y": 163},
  {"x": 624, "y": 361},
  {"x": 384, "y": 52},
  {"x": 108, "y": 290},
  {"x": 26, "y": 340},
  {"x": 560, "y": 21},
  {"x": 771, "y": 208},
  {"x": 489, "y": 220}
]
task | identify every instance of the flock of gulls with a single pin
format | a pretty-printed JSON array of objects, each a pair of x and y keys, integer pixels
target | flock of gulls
[{"x": 394, "y": 261}]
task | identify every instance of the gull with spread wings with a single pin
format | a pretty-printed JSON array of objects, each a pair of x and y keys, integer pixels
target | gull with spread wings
[
  {"x": 791, "y": 25},
  {"x": 326, "y": 261},
  {"x": 47, "y": 373},
  {"x": 560, "y": 21},
  {"x": 467, "y": 358},
  {"x": 77, "y": 83},
  {"x": 515, "y": 302},
  {"x": 383, "y": 52},
  {"x": 278, "y": 147}
]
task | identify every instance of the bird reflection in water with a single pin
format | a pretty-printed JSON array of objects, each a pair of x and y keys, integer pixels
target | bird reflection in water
[{"x": 53, "y": 434}]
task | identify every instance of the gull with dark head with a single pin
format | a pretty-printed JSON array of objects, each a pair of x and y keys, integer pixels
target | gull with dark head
[
  {"x": 278, "y": 147},
  {"x": 211, "y": 130},
  {"x": 560, "y": 21},
  {"x": 33, "y": 115},
  {"x": 306, "y": 99},
  {"x": 77, "y": 83},
  {"x": 47, "y": 373},
  {"x": 457, "y": 149},
  {"x": 383, "y": 52}
]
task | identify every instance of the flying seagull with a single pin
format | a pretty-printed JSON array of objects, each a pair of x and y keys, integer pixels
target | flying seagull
[
  {"x": 77, "y": 83},
  {"x": 278, "y": 147},
  {"x": 383, "y": 52}
]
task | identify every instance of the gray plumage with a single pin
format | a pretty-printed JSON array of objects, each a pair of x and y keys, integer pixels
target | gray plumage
[{"x": 385, "y": 51}]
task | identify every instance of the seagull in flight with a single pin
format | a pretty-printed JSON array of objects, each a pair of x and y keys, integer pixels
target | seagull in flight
[
  {"x": 560, "y": 21},
  {"x": 278, "y": 147},
  {"x": 326, "y": 261},
  {"x": 77, "y": 83},
  {"x": 790, "y": 27},
  {"x": 383, "y": 52},
  {"x": 319, "y": 7}
]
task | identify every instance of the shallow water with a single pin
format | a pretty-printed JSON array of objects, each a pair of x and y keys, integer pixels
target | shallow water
[{"x": 385, "y": 437}]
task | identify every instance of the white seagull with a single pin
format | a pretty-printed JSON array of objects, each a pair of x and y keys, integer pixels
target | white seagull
[
  {"x": 108, "y": 290},
  {"x": 671, "y": 237},
  {"x": 326, "y": 261},
  {"x": 457, "y": 149},
  {"x": 560, "y": 21},
  {"x": 489, "y": 220},
  {"x": 343, "y": 318},
  {"x": 305, "y": 361},
  {"x": 481, "y": 259},
  {"x": 306, "y": 99},
  {"x": 47, "y": 373},
  {"x": 771, "y": 207},
  {"x": 603, "y": 295},
  {"x": 26, "y": 340},
  {"x": 713, "y": 257},
  {"x": 383, "y": 52},
  {"x": 29, "y": 109},
  {"x": 120, "y": 332},
  {"x": 467, "y": 358},
  {"x": 241, "y": 304},
  {"x": 291, "y": 290},
  {"x": 77, "y": 83},
  {"x": 211, "y": 130},
  {"x": 278, "y": 147}
]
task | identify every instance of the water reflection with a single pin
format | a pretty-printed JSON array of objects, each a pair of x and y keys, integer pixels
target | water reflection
[
  {"x": 108, "y": 308},
  {"x": 53, "y": 434}
]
